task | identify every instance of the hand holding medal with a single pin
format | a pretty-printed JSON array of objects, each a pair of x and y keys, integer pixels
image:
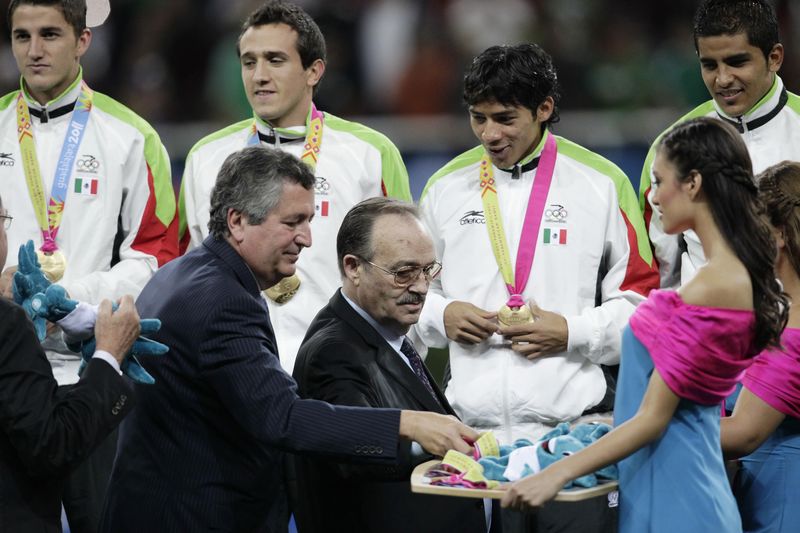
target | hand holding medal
[
  {"x": 547, "y": 333},
  {"x": 515, "y": 313}
]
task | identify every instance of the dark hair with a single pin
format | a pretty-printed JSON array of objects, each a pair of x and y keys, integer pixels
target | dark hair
[
  {"x": 310, "y": 42},
  {"x": 521, "y": 75},
  {"x": 717, "y": 152},
  {"x": 756, "y": 18},
  {"x": 355, "y": 233},
  {"x": 779, "y": 190},
  {"x": 74, "y": 11},
  {"x": 251, "y": 182}
]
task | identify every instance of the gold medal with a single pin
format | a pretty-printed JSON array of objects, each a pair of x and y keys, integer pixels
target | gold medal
[
  {"x": 53, "y": 264},
  {"x": 514, "y": 316},
  {"x": 283, "y": 291}
]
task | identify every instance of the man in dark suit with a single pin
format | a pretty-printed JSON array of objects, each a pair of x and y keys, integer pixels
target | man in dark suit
[
  {"x": 202, "y": 450},
  {"x": 45, "y": 430},
  {"x": 356, "y": 353}
]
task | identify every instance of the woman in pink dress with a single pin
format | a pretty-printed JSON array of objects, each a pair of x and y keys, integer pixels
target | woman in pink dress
[
  {"x": 683, "y": 352},
  {"x": 766, "y": 420}
]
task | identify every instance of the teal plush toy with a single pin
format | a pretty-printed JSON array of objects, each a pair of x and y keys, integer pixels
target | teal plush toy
[
  {"x": 525, "y": 458},
  {"x": 45, "y": 302}
]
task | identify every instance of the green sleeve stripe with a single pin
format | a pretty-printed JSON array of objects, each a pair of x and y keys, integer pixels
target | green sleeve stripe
[
  {"x": 182, "y": 224},
  {"x": 794, "y": 102},
  {"x": 154, "y": 155},
  {"x": 219, "y": 134},
  {"x": 394, "y": 173},
  {"x": 470, "y": 157},
  {"x": 8, "y": 100},
  {"x": 644, "y": 180},
  {"x": 625, "y": 194}
]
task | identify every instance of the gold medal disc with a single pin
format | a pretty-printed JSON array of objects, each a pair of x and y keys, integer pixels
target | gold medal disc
[
  {"x": 514, "y": 316},
  {"x": 53, "y": 264},
  {"x": 283, "y": 291}
]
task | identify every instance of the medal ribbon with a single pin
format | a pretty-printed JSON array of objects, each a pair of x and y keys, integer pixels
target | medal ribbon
[
  {"x": 49, "y": 212},
  {"x": 313, "y": 137},
  {"x": 530, "y": 227}
]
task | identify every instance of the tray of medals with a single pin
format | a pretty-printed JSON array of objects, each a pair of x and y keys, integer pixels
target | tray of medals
[{"x": 427, "y": 476}]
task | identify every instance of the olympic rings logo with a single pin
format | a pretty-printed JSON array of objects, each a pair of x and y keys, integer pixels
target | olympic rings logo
[
  {"x": 556, "y": 213},
  {"x": 321, "y": 185},
  {"x": 88, "y": 164}
]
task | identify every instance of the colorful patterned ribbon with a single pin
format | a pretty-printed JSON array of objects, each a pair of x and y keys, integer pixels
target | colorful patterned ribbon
[
  {"x": 313, "y": 142},
  {"x": 49, "y": 213},
  {"x": 530, "y": 227}
]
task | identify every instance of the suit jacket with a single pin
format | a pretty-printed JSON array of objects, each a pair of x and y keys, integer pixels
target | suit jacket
[
  {"x": 344, "y": 360},
  {"x": 202, "y": 450},
  {"x": 46, "y": 430}
]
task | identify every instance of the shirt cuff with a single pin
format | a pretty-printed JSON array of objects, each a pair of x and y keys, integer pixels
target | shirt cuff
[
  {"x": 108, "y": 358},
  {"x": 579, "y": 333}
]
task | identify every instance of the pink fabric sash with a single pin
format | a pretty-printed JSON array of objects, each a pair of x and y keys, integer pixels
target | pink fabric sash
[
  {"x": 533, "y": 219},
  {"x": 775, "y": 375},
  {"x": 700, "y": 352}
]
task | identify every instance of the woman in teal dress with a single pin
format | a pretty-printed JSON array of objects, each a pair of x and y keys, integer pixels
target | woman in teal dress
[
  {"x": 683, "y": 352},
  {"x": 766, "y": 420}
]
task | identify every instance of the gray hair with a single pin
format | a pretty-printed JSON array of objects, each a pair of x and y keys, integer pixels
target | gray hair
[
  {"x": 355, "y": 233},
  {"x": 251, "y": 182}
]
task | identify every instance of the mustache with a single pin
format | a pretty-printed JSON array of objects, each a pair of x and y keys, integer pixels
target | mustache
[{"x": 411, "y": 298}]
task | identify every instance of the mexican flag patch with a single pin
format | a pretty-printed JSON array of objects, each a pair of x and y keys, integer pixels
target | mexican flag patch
[
  {"x": 86, "y": 186},
  {"x": 555, "y": 236}
]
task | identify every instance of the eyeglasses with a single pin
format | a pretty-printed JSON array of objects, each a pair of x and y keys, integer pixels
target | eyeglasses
[
  {"x": 407, "y": 275},
  {"x": 6, "y": 220}
]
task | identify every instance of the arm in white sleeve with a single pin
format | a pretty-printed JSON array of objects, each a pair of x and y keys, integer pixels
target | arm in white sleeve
[
  {"x": 148, "y": 222},
  {"x": 629, "y": 276},
  {"x": 430, "y": 327},
  {"x": 666, "y": 247},
  {"x": 192, "y": 230}
]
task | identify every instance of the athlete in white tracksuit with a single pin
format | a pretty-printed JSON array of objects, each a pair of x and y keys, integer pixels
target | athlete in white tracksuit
[
  {"x": 119, "y": 221},
  {"x": 771, "y": 131},
  {"x": 595, "y": 279},
  {"x": 282, "y": 53}
]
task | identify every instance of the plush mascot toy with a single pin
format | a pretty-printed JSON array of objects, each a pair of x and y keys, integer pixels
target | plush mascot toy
[
  {"x": 45, "y": 302},
  {"x": 525, "y": 458}
]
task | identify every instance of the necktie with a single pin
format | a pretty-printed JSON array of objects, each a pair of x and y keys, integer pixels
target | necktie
[{"x": 417, "y": 366}]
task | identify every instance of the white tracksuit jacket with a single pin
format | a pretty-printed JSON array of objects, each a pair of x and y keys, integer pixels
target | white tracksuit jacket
[
  {"x": 771, "y": 131},
  {"x": 595, "y": 279}
]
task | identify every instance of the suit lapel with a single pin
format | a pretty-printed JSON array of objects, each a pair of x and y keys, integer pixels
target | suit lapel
[{"x": 389, "y": 360}]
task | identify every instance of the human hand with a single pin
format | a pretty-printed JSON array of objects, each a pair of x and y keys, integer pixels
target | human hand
[
  {"x": 7, "y": 282},
  {"x": 533, "y": 491},
  {"x": 116, "y": 331},
  {"x": 437, "y": 433},
  {"x": 464, "y": 322},
  {"x": 548, "y": 334}
]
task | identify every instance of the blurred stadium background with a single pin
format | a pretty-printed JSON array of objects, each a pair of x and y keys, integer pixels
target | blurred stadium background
[{"x": 627, "y": 68}]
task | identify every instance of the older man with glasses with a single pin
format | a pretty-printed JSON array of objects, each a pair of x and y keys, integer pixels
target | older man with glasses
[{"x": 356, "y": 353}]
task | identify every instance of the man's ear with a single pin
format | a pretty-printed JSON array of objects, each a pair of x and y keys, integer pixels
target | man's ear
[
  {"x": 314, "y": 72},
  {"x": 236, "y": 224},
  {"x": 545, "y": 109},
  {"x": 694, "y": 184},
  {"x": 84, "y": 40},
  {"x": 775, "y": 58},
  {"x": 352, "y": 272}
]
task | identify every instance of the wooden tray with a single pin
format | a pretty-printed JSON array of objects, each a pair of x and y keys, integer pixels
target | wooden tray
[{"x": 421, "y": 484}]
